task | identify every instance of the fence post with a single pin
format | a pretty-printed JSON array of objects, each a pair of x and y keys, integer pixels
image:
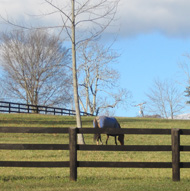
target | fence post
[
  {"x": 18, "y": 108},
  {"x": 28, "y": 109},
  {"x": 73, "y": 153},
  {"x": 175, "y": 154},
  {"x": 9, "y": 107}
]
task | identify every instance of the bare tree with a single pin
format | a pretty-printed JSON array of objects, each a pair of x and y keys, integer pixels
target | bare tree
[
  {"x": 89, "y": 18},
  {"x": 141, "y": 108},
  {"x": 81, "y": 20},
  {"x": 35, "y": 67},
  {"x": 3, "y": 96},
  {"x": 185, "y": 82},
  {"x": 165, "y": 99},
  {"x": 98, "y": 82}
]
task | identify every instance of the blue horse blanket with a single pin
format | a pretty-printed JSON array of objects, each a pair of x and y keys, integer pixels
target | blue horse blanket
[{"x": 107, "y": 122}]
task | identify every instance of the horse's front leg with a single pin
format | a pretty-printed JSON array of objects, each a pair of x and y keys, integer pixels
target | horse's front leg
[
  {"x": 115, "y": 140},
  {"x": 99, "y": 138}
]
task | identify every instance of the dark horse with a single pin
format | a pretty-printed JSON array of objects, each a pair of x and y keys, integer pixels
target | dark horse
[{"x": 107, "y": 122}]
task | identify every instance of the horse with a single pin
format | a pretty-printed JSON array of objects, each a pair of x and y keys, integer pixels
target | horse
[{"x": 107, "y": 122}]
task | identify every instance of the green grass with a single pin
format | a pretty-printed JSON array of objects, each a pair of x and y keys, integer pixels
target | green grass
[{"x": 89, "y": 179}]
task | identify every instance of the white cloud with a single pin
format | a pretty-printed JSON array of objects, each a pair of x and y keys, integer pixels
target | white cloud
[
  {"x": 170, "y": 17},
  {"x": 166, "y": 16},
  {"x": 16, "y": 8},
  {"x": 18, "y": 11}
]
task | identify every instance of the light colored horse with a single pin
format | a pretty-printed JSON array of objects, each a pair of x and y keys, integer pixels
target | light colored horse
[{"x": 107, "y": 122}]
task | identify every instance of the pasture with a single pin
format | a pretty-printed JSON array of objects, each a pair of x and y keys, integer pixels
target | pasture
[{"x": 91, "y": 179}]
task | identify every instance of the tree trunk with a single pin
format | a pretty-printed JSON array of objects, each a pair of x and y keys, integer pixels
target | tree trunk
[{"x": 75, "y": 81}]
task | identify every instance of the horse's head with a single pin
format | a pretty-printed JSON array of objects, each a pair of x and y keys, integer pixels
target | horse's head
[{"x": 121, "y": 139}]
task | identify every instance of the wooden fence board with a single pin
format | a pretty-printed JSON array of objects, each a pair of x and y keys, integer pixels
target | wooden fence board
[
  {"x": 91, "y": 130},
  {"x": 125, "y": 164},
  {"x": 33, "y": 130},
  {"x": 91, "y": 164},
  {"x": 34, "y": 164},
  {"x": 34, "y": 146},
  {"x": 184, "y": 131},
  {"x": 125, "y": 131},
  {"x": 184, "y": 148},
  {"x": 184, "y": 165},
  {"x": 124, "y": 147},
  {"x": 142, "y": 148}
]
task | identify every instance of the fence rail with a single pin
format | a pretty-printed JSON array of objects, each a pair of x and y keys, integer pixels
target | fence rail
[
  {"x": 11, "y": 107},
  {"x": 73, "y": 147}
]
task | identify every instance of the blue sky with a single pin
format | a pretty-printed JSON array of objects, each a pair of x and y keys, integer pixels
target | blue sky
[
  {"x": 153, "y": 36},
  {"x": 146, "y": 57}
]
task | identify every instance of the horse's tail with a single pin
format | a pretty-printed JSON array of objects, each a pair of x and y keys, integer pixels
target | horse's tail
[{"x": 95, "y": 124}]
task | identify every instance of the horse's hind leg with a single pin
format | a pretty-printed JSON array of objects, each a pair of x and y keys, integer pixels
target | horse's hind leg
[{"x": 97, "y": 140}]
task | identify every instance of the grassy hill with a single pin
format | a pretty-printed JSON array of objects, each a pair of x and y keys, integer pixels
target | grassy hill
[{"x": 89, "y": 178}]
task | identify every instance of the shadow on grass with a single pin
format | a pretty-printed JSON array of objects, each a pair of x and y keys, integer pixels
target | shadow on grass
[
  {"x": 30, "y": 178},
  {"x": 45, "y": 123}
]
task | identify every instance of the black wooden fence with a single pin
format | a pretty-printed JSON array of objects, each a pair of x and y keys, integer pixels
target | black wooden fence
[
  {"x": 11, "y": 107},
  {"x": 175, "y": 147}
]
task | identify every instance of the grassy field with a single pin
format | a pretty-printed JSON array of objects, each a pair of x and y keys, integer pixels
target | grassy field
[{"x": 89, "y": 179}]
